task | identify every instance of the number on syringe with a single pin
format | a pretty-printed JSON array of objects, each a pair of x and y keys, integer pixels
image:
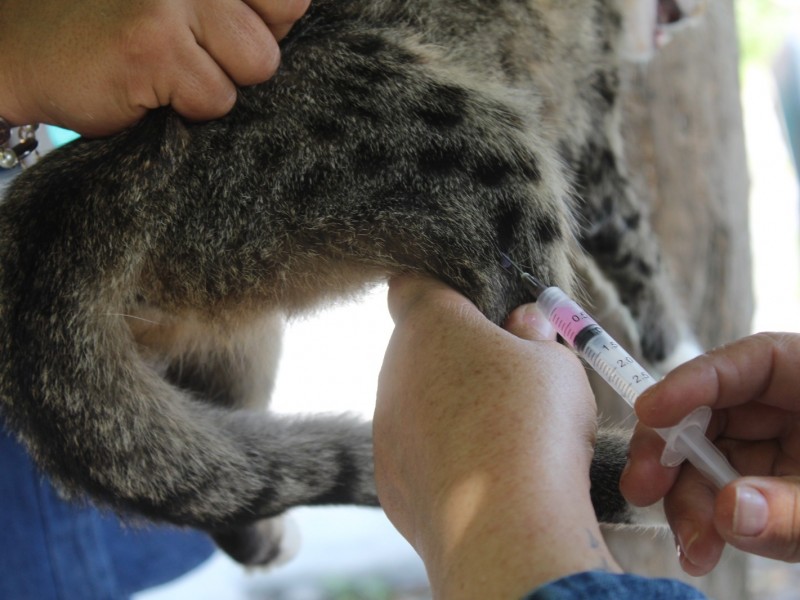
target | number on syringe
[
  {"x": 641, "y": 377},
  {"x": 622, "y": 362},
  {"x": 611, "y": 345}
]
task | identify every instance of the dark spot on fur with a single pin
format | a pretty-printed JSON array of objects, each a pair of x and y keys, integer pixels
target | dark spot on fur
[
  {"x": 444, "y": 107},
  {"x": 440, "y": 117},
  {"x": 312, "y": 182},
  {"x": 346, "y": 482},
  {"x": 367, "y": 44},
  {"x": 372, "y": 73},
  {"x": 326, "y": 130},
  {"x": 606, "y": 85},
  {"x": 268, "y": 153},
  {"x": 634, "y": 290},
  {"x": 602, "y": 243},
  {"x": 401, "y": 56},
  {"x": 644, "y": 268},
  {"x": 530, "y": 171},
  {"x": 624, "y": 261},
  {"x": 440, "y": 161},
  {"x": 493, "y": 171},
  {"x": 654, "y": 345},
  {"x": 632, "y": 221},
  {"x": 371, "y": 159},
  {"x": 547, "y": 229},
  {"x": 373, "y": 46},
  {"x": 506, "y": 227},
  {"x": 607, "y": 162}
]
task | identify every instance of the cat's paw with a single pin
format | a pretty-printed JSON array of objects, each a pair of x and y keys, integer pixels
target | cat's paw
[{"x": 267, "y": 543}]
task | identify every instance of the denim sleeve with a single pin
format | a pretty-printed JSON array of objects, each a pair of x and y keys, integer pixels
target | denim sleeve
[{"x": 596, "y": 585}]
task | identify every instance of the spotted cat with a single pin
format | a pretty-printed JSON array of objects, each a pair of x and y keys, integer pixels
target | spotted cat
[{"x": 144, "y": 278}]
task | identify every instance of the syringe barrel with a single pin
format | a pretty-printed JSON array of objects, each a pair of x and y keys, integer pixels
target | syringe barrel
[
  {"x": 629, "y": 379},
  {"x": 604, "y": 354}
]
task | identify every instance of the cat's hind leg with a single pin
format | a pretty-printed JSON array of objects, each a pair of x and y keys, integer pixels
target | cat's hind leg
[
  {"x": 234, "y": 366},
  {"x": 230, "y": 362}
]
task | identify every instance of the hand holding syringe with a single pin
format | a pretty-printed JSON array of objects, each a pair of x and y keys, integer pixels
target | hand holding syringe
[{"x": 686, "y": 440}]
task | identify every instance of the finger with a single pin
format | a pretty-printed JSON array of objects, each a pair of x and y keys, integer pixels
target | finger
[
  {"x": 203, "y": 93},
  {"x": 689, "y": 507},
  {"x": 186, "y": 77},
  {"x": 280, "y": 15},
  {"x": 756, "y": 421},
  {"x": 759, "y": 367},
  {"x": 762, "y": 516},
  {"x": 238, "y": 40},
  {"x": 529, "y": 323},
  {"x": 644, "y": 480}
]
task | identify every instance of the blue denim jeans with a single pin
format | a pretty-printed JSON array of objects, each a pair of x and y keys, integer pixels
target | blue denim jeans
[
  {"x": 54, "y": 550},
  {"x": 600, "y": 585}
]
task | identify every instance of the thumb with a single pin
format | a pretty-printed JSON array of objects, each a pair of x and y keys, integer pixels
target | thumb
[
  {"x": 409, "y": 291},
  {"x": 761, "y": 515},
  {"x": 529, "y": 323}
]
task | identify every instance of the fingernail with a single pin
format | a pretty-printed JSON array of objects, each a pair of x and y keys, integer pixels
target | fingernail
[
  {"x": 536, "y": 322},
  {"x": 751, "y": 512},
  {"x": 685, "y": 536}
]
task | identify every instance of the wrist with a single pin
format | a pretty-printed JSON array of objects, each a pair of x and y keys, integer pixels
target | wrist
[{"x": 503, "y": 538}]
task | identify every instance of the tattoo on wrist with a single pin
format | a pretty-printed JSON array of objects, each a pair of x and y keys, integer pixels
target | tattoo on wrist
[{"x": 598, "y": 547}]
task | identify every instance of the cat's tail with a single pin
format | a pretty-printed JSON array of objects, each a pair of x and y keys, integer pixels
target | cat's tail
[{"x": 99, "y": 419}]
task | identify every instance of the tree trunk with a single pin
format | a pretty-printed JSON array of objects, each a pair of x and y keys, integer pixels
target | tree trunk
[{"x": 685, "y": 146}]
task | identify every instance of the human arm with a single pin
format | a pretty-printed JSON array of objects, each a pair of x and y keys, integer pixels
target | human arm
[
  {"x": 97, "y": 66},
  {"x": 753, "y": 385},
  {"x": 483, "y": 442}
]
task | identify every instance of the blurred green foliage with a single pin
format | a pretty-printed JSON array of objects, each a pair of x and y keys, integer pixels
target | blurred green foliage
[{"x": 763, "y": 26}]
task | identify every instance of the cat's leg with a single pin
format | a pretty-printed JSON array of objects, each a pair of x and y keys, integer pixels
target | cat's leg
[
  {"x": 618, "y": 237},
  {"x": 233, "y": 366},
  {"x": 227, "y": 363}
]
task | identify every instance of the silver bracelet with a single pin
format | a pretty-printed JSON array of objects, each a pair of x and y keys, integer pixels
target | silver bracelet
[{"x": 10, "y": 156}]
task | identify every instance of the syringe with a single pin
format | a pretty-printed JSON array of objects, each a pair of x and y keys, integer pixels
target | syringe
[{"x": 684, "y": 441}]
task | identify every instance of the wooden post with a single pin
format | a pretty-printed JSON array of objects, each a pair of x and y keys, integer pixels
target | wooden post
[{"x": 685, "y": 146}]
